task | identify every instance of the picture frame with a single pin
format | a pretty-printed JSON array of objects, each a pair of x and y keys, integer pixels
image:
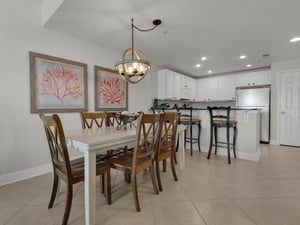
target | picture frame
[
  {"x": 111, "y": 90},
  {"x": 57, "y": 85}
]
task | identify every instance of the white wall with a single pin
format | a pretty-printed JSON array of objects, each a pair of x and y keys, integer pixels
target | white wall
[{"x": 22, "y": 138}]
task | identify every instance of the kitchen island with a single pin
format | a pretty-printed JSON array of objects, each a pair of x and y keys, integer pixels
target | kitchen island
[{"x": 248, "y": 131}]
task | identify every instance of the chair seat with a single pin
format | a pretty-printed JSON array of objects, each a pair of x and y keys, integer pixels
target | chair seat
[
  {"x": 224, "y": 122},
  {"x": 187, "y": 120},
  {"x": 77, "y": 167},
  {"x": 125, "y": 161}
]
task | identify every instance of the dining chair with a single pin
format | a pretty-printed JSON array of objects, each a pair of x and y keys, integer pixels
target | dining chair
[
  {"x": 143, "y": 155},
  {"x": 92, "y": 119},
  {"x": 69, "y": 171},
  {"x": 97, "y": 120},
  {"x": 112, "y": 119},
  {"x": 167, "y": 144}
]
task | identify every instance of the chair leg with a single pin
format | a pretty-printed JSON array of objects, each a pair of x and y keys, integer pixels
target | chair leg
[
  {"x": 54, "y": 190},
  {"x": 199, "y": 131},
  {"x": 175, "y": 157},
  {"x": 216, "y": 139},
  {"x": 210, "y": 142},
  {"x": 228, "y": 144},
  {"x": 135, "y": 193},
  {"x": 234, "y": 140},
  {"x": 127, "y": 177},
  {"x": 158, "y": 175},
  {"x": 102, "y": 183},
  {"x": 164, "y": 165},
  {"x": 191, "y": 139},
  {"x": 153, "y": 178},
  {"x": 173, "y": 168},
  {"x": 108, "y": 187},
  {"x": 68, "y": 204}
]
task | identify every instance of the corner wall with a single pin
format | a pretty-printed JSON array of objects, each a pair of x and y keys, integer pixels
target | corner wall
[{"x": 23, "y": 145}]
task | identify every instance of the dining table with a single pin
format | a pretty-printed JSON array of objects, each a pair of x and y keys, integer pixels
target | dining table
[{"x": 92, "y": 141}]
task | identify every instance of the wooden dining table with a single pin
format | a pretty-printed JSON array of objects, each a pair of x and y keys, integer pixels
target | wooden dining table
[{"x": 92, "y": 141}]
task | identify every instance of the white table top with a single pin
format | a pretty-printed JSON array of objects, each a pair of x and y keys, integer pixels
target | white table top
[{"x": 100, "y": 138}]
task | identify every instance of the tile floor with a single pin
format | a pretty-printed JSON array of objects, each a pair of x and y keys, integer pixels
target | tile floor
[{"x": 209, "y": 192}]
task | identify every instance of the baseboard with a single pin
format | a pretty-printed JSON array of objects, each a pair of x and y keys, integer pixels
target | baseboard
[
  {"x": 274, "y": 142},
  {"x": 240, "y": 155},
  {"x": 24, "y": 174}
]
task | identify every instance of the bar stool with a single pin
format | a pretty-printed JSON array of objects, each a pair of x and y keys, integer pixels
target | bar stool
[
  {"x": 219, "y": 120},
  {"x": 190, "y": 121}
]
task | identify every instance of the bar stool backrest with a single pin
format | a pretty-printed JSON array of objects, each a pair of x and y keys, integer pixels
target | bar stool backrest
[{"x": 219, "y": 113}]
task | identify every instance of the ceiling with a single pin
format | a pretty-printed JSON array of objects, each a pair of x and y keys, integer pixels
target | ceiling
[{"x": 221, "y": 30}]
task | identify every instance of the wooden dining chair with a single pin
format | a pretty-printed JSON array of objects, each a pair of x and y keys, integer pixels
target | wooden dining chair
[
  {"x": 97, "y": 120},
  {"x": 92, "y": 119},
  {"x": 143, "y": 155},
  {"x": 167, "y": 144},
  {"x": 112, "y": 119},
  {"x": 69, "y": 171}
]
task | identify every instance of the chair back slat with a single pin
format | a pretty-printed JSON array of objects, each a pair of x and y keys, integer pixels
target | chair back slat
[
  {"x": 219, "y": 113},
  {"x": 92, "y": 119},
  {"x": 147, "y": 137},
  {"x": 112, "y": 119},
  {"x": 169, "y": 123}
]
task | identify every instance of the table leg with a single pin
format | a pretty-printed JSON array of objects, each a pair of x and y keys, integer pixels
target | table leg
[{"x": 90, "y": 187}]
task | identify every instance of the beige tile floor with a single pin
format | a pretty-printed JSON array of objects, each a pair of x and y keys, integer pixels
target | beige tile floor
[{"x": 209, "y": 192}]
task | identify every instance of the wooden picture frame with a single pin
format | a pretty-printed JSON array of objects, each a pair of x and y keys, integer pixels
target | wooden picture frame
[
  {"x": 57, "y": 84},
  {"x": 111, "y": 91}
]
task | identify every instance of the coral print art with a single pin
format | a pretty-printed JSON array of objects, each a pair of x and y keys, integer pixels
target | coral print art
[
  {"x": 111, "y": 90},
  {"x": 58, "y": 85}
]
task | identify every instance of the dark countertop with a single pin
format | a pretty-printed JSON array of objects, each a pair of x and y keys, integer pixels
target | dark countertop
[{"x": 194, "y": 108}]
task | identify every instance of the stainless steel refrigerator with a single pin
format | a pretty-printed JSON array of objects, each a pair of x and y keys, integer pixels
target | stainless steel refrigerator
[{"x": 257, "y": 97}]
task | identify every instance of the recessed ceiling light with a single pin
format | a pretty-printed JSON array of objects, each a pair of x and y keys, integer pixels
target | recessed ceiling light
[
  {"x": 249, "y": 65},
  {"x": 203, "y": 58},
  {"x": 209, "y": 71},
  {"x": 295, "y": 39},
  {"x": 198, "y": 66},
  {"x": 242, "y": 57}
]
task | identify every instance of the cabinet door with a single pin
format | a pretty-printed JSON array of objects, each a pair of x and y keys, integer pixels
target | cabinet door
[
  {"x": 176, "y": 87},
  {"x": 207, "y": 89},
  {"x": 226, "y": 87},
  {"x": 194, "y": 89},
  {"x": 173, "y": 85},
  {"x": 253, "y": 78}
]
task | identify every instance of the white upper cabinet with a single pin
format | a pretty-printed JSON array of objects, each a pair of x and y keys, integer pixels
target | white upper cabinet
[
  {"x": 168, "y": 85},
  {"x": 172, "y": 85},
  {"x": 186, "y": 91},
  {"x": 226, "y": 87},
  {"x": 207, "y": 89},
  {"x": 185, "y": 81},
  {"x": 253, "y": 78}
]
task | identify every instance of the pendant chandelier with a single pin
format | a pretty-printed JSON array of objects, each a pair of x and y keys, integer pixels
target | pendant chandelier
[{"x": 132, "y": 68}]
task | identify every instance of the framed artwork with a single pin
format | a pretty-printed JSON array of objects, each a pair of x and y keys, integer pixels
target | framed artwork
[
  {"x": 57, "y": 85},
  {"x": 111, "y": 91}
]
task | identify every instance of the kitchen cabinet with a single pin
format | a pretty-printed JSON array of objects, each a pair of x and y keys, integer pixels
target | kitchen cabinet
[
  {"x": 186, "y": 87},
  {"x": 253, "y": 78},
  {"x": 226, "y": 87},
  {"x": 168, "y": 85},
  {"x": 185, "y": 81},
  {"x": 207, "y": 89}
]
